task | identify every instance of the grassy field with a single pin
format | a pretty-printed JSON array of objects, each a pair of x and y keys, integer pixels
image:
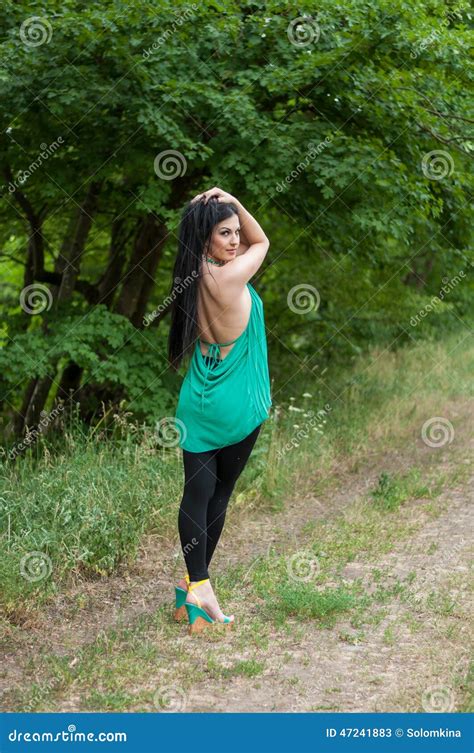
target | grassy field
[{"x": 344, "y": 557}]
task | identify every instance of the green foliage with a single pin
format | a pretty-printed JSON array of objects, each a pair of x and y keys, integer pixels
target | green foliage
[
  {"x": 106, "y": 345},
  {"x": 381, "y": 86}
]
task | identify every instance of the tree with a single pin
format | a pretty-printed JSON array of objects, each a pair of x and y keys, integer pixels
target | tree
[{"x": 345, "y": 130}]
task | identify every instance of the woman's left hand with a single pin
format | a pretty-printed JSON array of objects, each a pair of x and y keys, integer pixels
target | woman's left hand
[{"x": 216, "y": 193}]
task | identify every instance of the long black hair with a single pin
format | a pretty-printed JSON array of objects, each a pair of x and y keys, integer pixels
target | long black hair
[{"x": 197, "y": 222}]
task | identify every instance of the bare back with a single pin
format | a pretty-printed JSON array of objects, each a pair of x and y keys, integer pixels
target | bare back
[{"x": 223, "y": 314}]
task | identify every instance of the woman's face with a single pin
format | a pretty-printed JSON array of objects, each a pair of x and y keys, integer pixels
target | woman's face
[{"x": 225, "y": 239}]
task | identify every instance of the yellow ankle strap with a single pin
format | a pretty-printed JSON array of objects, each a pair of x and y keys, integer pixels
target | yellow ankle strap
[
  {"x": 198, "y": 583},
  {"x": 195, "y": 585}
]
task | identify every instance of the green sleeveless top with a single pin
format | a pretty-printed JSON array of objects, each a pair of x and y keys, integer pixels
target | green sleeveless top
[{"x": 223, "y": 401}]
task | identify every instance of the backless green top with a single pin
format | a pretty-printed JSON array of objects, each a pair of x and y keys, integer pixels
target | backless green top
[{"x": 223, "y": 401}]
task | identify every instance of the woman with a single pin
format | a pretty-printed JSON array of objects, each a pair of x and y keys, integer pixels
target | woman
[{"x": 217, "y": 320}]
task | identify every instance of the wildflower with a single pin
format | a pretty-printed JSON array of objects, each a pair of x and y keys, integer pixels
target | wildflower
[{"x": 307, "y": 394}]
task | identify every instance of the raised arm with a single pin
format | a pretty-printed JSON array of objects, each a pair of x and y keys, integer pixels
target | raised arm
[
  {"x": 253, "y": 247},
  {"x": 249, "y": 260}
]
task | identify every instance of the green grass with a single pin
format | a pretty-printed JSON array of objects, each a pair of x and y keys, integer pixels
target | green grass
[
  {"x": 84, "y": 514},
  {"x": 304, "y": 602},
  {"x": 113, "y": 701},
  {"x": 392, "y": 491},
  {"x": 241, "y": 668}
]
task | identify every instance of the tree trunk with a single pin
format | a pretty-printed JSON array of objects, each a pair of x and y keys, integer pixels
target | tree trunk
[
  {"x": 68, "y": 263},
  {"x": 419, "y": 272},
  {"x": 152, "y": 263},
  {"x": 136, "y": 290},
  {"x": 117, "y": 254},
  {"x": 70, "y": 384},
  {"x": 72, "y": 261},
  {"x": 147, "y": 244},
  {"x": 138, "y": 285}
]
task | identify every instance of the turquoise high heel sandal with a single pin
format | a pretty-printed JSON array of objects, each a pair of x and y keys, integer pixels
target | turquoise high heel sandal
[
  {"x": 180, "y": 593},
  {"x": 198, "y": 618}
]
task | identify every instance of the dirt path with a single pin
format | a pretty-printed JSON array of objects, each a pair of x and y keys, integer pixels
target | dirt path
[
  {"x": 146, "y": 585},
  {"x": 391, "y": 667},
  {"x": 321, "y": 670}
]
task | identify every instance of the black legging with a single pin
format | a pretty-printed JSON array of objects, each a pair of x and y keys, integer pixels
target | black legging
[{"x": 209, "y": 481}]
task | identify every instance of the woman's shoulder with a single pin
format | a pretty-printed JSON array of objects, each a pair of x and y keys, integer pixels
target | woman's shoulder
[{"x": 221, "y": 291}]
